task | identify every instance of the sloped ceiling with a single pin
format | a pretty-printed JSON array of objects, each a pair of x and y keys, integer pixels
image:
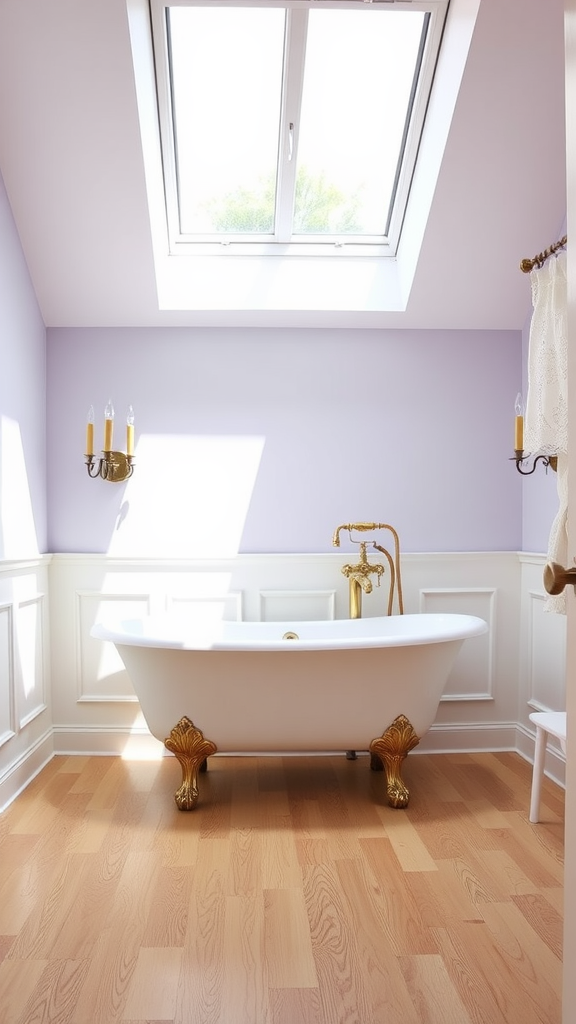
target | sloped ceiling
[{"x": 71, "y": 160}]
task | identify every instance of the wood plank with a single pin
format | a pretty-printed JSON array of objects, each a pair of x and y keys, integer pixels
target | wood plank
[
  {"x": 199, "y": 993},
  {"x": 18, "y": 979},
  {"x": 168, "y": 917},
  {"x": 244, "y": 984},
  {"x": 488, "y": 995},
  {"x": 435, "y": 997},
  {"x": 525, "y": 847},
  {"x": 386, "y": 988},
  {"x": 405, "y": 840},
  {"x": 55, "y": 994},
  {"x": 154, "y": 984},
  {"x": 519, "y": 966},
  {"x": 245, "y": 861},
  {"x": 113, "y": 961},
  {"x": 400, "y": 914},
  {"x": 341, "y": 979},
  {"x": 545, "y": 921},
  {"x": 280, "y": 867},
  {"x": 295, "y": 1006},
  {"x": 107, "y": 787},
  {"x": 440, "y": 898},
  {"x": 507, "y": 874},
  {"x": 287, "y": 944},
  {"x": 309, "y": 832}
]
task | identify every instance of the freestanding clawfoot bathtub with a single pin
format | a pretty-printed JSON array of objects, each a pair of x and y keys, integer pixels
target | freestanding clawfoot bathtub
[{"x": 344, "y": 684}]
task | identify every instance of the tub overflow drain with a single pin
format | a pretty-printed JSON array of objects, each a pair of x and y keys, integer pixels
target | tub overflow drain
[{"x": 290, "y": 635}]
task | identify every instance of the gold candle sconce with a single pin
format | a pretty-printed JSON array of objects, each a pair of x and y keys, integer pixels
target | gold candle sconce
[
  {"x": 114, "y": 466},
  {"x": 519, "y": 458}
]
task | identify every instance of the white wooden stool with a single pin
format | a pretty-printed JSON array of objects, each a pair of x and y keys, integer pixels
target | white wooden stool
[{"x": 547, "y": 723}]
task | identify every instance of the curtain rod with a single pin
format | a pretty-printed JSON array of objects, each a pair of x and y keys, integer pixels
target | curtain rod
[{"x": 538, "y": 261}]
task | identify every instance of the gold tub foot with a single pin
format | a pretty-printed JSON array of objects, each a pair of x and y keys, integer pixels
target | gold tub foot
[
  {"x": 390, "y": 750},
  {"x": 189, "y": 746}
]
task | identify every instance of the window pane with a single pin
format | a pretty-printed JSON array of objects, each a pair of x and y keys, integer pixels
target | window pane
[
  {"x": 359, "y": 74},
  {"x": 226, "y": 88}
]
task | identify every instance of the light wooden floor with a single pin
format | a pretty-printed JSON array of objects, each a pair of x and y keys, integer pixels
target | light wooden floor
[{"x": 293, "y": 894}]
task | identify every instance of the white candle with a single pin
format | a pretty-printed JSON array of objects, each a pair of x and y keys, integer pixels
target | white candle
[
  {"x": 519, "y": 424},
  {"x": 90, "y": 431},
  {"x": 108, "y": 426},
  {"x": 130, "y": 431}
]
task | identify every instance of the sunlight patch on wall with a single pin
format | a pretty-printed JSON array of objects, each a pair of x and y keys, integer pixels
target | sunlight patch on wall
[
  {"x": 188, "y": 497},
  {"x": 101, "y": 670},
  {"x": 179, "y": 603},
  {"x": 17, "y": 530},
  {"x": 28, "y": 647},
  {"x": 27, "y": 602}
]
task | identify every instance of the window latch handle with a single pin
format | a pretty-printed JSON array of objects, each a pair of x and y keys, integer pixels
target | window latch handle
[{"x": 290, "y": 139}]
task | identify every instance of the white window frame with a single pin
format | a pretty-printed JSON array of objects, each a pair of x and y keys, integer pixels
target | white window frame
[{"x": 387, "y": 246}]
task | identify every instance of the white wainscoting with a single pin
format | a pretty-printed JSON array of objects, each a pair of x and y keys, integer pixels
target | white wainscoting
[
  {"x": 62, "y": 691},
  {"x": 26, "y": 739},
  {"x": 542, "y": 663}
]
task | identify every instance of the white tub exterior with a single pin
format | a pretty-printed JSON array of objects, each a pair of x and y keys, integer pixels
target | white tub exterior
[{"x": 337, "y": 687}]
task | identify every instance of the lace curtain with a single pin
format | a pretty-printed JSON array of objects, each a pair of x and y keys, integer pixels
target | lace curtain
[{"x": 546, "y": 424}]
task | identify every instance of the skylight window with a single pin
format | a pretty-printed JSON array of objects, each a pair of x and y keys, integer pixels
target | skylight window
[{"x": 292, "y": 127}]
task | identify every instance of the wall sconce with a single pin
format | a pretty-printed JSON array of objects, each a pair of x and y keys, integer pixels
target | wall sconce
[
  {"x": 519, "y": 457},
  {"x": 547, "y": 460},
  {"x": 113, "y": 466}
]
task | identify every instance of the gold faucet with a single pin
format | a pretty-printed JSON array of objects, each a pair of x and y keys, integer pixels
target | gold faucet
[
  {"x": 359, "y": 579},
  {"x": 359, "y": 575}
]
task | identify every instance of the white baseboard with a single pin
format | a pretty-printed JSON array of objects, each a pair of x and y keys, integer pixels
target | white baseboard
[
  {"x": 20, "y": 773},
  {"x": 468, "y": 738},
  {"x": 138, "y": 743}
]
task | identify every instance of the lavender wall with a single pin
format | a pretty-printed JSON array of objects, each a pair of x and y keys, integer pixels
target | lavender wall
[
  {"x": 539, "y": 507},
  {"x": 261, "y": 440},
  {"x": 22, "y": 401}
]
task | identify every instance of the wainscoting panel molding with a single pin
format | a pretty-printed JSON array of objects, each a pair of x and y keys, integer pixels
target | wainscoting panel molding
[
  {"x": 101, "y": 673},
  {"x": 542, "y": 663},
  {"x": 297, "y": 605},
  {"x": 226, "y": 606},
  {"x": 546, "y": 656},
  {"x": 472, "y": 677},
  {"x": 7, "y": 690},
  {"x": 30, "y": 658},
  {"x": 26, "y": 737}
]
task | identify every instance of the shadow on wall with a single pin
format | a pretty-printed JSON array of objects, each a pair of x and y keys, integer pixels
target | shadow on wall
[
  {"x": 18, "y": 537},
  {"x": 188, "y": 497}
]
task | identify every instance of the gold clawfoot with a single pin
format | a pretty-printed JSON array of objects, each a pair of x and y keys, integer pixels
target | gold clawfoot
[
  {"x": 391, "y": 748},
  {"x": 188, "y": 744}
]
